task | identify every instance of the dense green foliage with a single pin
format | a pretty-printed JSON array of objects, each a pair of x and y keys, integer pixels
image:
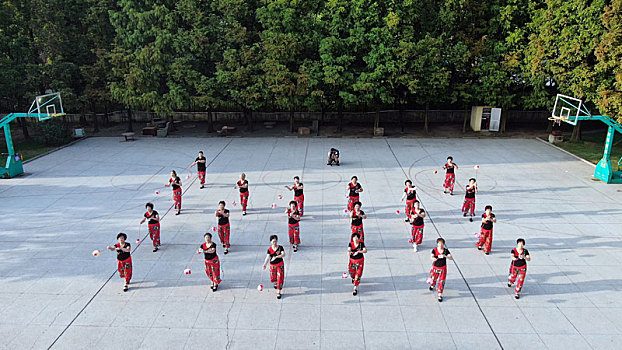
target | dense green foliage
[{"x": 165, "y": 55}]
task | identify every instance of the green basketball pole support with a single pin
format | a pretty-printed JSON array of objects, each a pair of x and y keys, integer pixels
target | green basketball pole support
[
  {"x": 13, "y": 166},
  {"x": 604, "y": 171}
]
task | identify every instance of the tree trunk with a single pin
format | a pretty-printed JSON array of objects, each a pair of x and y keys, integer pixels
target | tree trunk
[
  {"x": 129, "y": 121},
  {"x": 95, "y": 123},
  {"x": 171, "y": 126},
  {"x": 401, "y": 109},
  {"x": 425, "y": 118},
  {"x": 210, "y": 122},
  {"x": 376, "y": 121},
  {"x": 24, "y": 126},
  {"x": 339, "y": 118},
  {"x": 466, "y": 120},
  {"x": 576, "y": 133},
  {"x": 291, "y": 120},
  {"x": 504, "y": 120},
  {"x": 248, "y": 116},
  {"x": 106, "y": 120}
]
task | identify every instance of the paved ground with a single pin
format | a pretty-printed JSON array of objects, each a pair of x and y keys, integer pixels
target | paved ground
[{"x": 54, "y": 293}]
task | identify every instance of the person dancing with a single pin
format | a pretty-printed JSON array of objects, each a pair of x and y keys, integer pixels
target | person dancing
[
  {"x": 154, "y": 225},
  {"x": 468, "y": 207},
  {"x": 356, "y": 249},
  {"x": 410, "y": 193},
  {"x": 357, "y": 216},
  {"x": 299, "y": 196},
  {"x": 518, "y": 268},
  {"x": 275, "y": 256},
  {"x": 212, "y": 264},
  {"x": 175, "y": 182},
  {"x": 200, "y": 161},
  {"x": 354, "y": 188},
  {"x": 124, "y": 259},
  {"x": 485, "y": 238},
  {"x": 416, "y": 220},
  {"x": 242, "y": 184},
  {"x": 293, "y": 223},
  {"x": 438, "y": 273},
  {"x": 224, "y": 227},
  {"x": 450, "y": 176}
]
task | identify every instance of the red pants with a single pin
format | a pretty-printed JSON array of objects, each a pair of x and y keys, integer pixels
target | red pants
[
  {"x": 154, "y": 234},
  {"x": 201, "y": 175},
  {"x": 177, "y": 198},
  {"x": 301, "y": 203},
  {"x": 359, "y": 230},
  {"x": 437, "y": 277},
  {"x": 409, "y": 206},
  {"x": 485, "y": 240},
  {"x": 244, "y": 200},
  {"x": 277, "y": 274},
  {"x": 351, "y": 201},
  {"x": 469, "y": 205},
  {"x": 294, "y": 233},
  {"x": 125, "y": 269},
  {"x": 519, "y": 272},
  {"x": 417, "y": 233},
  {"x": 212, "y": 269},
  {"x": 450, "y": 180},
  {"x": 356, "y": 270},
  {"x": 223, "y": 233}
]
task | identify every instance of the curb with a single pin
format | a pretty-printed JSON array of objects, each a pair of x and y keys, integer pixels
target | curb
[
  {"x": 56, "y": 149},
  {"x": 563, "y": 150}
]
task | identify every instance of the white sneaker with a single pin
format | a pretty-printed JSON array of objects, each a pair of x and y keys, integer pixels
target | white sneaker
[{"x": 414, "y": 247}]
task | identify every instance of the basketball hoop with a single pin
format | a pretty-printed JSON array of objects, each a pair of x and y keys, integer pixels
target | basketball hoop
[{"x": 558, "y": 120}]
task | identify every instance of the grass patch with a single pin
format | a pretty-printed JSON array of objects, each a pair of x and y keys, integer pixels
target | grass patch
[
  {"x": 592, "y": 146},
  {"x": 28, "y": 148}
]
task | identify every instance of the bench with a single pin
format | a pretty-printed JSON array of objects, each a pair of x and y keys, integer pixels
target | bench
[
  {"x": 226, "y": 130},
  {"x": 129, "y": 136},
  {"x": 269, "y": 125},
  {"x": 149, "y": 131}
]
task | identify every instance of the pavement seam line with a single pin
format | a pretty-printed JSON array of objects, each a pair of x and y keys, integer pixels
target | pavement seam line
[
  {"x": 455, "y": 262},
  {"x": 113, "y": 273}
]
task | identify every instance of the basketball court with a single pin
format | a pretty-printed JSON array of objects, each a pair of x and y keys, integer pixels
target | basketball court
[{"x": 55, "y": 293}]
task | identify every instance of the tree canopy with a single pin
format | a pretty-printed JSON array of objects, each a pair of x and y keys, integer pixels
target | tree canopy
[{"x": 311, "y": 55}]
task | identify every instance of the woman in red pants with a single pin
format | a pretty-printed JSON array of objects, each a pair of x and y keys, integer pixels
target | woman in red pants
[
  {"x": 275, "y": 256},
  {"x": 356, "y": 249},
  {"x": 154, "y": 225},
  {"x": 175, "y": 182},
  {"x": 357, "y": 216},
  {"x": 224, "y": 227},
  {"x": 518, "y": 269},
  {"x": 485, "y": 238},
  {"x": 212, "y": 264},
  {"x": 242, "y": 185},
  {"x": 450, "y": 176},
  {"x": 410, "y": 193},
  {"x": 416, "y": 220},
  {"x": 293, "y": 223},
  {"x": 299, "y": 196},
  {"x": 438, "y": 273},
  {"x": 353, "y": 188},
  {"x": 124, "y": 259},
  {"x": 468, "y": 207}
]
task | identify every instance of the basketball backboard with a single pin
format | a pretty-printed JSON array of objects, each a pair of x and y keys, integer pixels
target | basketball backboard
[{"x": 47, "y": 106}]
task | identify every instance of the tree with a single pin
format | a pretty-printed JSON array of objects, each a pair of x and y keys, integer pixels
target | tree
[
  {"x": 148, "y": 56},
  {"x": 562, "y": 47},
  {"x": 609, "y": 67},
  {"x": 288, "y": 41}
]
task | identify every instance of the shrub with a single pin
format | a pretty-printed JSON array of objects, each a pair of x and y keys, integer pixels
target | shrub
[{"x": 53, "y": 132}]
